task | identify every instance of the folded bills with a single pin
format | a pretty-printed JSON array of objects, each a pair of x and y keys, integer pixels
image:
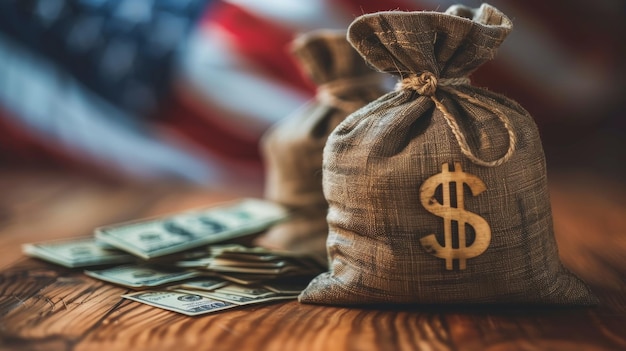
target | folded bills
[
  {"x": 138, "y": 276},
  {"x": 77, "y": 252},
  {"x": 186, "y": 230},
  {"x": 190, "y": 304},
  {"x": 187, "y": 263}
]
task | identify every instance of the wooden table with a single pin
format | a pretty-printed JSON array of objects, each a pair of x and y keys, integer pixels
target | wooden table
[{"x": 45, "y": 307}]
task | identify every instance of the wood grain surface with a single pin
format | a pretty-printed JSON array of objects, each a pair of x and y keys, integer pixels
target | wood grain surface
[{"x": 46, "y": 307}]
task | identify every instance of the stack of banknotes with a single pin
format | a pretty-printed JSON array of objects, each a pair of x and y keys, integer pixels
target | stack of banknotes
[{"x": 189, "y": 262}]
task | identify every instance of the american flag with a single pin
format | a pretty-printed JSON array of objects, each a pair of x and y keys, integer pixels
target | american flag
[{"x": 186, "y": 88}]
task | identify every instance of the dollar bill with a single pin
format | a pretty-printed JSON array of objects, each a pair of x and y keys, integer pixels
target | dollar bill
[
  {"x": 175, "y": 233},
  {"x": 287, "y": 287},
  {"x": 249, "y": 257},
  {"x": 190, "y": 304},
  {"x": 203, "y": 284},
  {"x": 246, "y": 279},
  {"x": 77, "y": 252},
  {"x": 238, "y": 299},
  {"x": 247, "y": 291},
  {"x": 230, "y": 262},
  {"x": 219, "y": 264},
  {"x": 260, "y": 271},
  {"x": 227, "y": 259},
  {"x": 142, "y": 276},
  {"x": 240, "y": 252},
  {"x": 194, "y": 263}
]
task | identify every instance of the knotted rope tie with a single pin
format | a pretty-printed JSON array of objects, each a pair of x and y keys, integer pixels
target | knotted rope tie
[
  {"x": 328, "y": 93},
  {"x": 426, "y": 84}
]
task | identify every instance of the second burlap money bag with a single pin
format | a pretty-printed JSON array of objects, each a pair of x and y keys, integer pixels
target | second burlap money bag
[
  {"x": 292, "y": 149},
  {"x": 437, "y": 191}
]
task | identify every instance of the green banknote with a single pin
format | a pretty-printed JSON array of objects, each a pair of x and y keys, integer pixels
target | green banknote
[{"x": 186, "y": 230}]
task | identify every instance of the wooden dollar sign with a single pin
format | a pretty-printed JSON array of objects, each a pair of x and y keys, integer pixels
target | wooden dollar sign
[{"x": 445, "y": 210}]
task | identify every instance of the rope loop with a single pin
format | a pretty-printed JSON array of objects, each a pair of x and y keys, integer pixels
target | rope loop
[{"x": 426, "y": 84}]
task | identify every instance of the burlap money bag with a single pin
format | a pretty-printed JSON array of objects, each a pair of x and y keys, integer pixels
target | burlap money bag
[
  {"x": 437, "y": 191},
  {"x": 292, "y": 149}
]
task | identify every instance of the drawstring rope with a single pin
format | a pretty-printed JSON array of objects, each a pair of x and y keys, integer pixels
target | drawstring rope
[
  {"x": 426, "y": 84},
  {"x": 328, "y": 93}
]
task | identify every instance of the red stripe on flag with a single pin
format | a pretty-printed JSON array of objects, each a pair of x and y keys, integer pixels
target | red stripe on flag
[
  {"x": 196, "y": 118},
  {"x": 260, "y": 41},
  {"x": 20, "y": 146}
]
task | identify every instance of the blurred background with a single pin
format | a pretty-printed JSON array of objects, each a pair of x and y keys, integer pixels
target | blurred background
[{"x": 184, "y": 89}]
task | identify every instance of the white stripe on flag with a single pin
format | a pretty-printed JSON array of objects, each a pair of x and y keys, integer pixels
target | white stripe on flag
[{"x": 228, "y": 80}]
